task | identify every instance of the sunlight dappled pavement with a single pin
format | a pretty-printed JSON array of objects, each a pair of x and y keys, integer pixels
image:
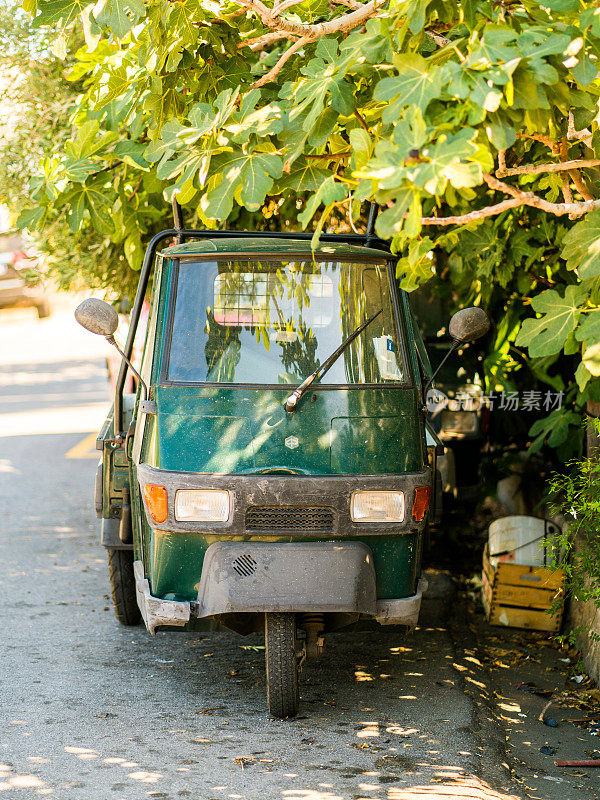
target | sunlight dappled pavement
[
  {"x": 94, "y": 710},
  {"x": 460, "y": 789},
  {"x": 52, "y": 374}
]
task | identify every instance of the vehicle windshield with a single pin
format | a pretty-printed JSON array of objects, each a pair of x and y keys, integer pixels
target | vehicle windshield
[{"x": 274, "y": 322}]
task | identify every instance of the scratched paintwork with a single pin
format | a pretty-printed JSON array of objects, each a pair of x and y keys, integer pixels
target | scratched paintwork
[{"x": 340, "y": 431}]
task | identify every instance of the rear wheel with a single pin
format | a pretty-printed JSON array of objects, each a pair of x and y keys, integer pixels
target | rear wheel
[
  {"x": 122, "y": 586},
  {"x": 282, "y": 664}
]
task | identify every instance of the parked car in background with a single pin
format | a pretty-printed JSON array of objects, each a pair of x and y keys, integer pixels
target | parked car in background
[{"x": 14, "y": 290}]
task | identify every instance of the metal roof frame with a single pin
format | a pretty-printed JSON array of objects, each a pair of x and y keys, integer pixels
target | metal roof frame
[{"x": 179, "y": 233}]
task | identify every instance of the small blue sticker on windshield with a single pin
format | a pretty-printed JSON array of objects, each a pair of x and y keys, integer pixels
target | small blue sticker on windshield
[{"x": 390, "y": 345}]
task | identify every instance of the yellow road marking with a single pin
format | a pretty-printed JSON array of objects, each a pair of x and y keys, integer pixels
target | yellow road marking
[{"x": 86, "y": 448}]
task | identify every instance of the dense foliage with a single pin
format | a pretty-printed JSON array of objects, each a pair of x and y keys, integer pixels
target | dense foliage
[
  {"x": 576, "y": 493},
  {"x": 38, "y": 103},
  {"x": 473, "y": 124}
]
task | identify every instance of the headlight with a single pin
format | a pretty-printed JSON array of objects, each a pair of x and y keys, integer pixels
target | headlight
[
  {"x": 377, "y": 507},
  {"x": 459, "y": 422},
  {"x": 202, "y": 505}
]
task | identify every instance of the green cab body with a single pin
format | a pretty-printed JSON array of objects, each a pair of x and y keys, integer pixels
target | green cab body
[{"x": 321, "y": 510}]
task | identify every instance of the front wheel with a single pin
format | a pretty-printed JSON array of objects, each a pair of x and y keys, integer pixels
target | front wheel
[
  {"x": 282, "y": 664},
  {"x": 122, "y": 586}
]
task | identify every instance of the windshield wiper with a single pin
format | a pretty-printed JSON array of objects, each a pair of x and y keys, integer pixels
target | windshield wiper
[{"x": 292, "y": 401}]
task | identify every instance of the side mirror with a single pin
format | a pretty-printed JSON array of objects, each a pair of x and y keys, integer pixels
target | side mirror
[
  {"x": 469, "y": 324},
  {"x": 466, "y": 325},
  {"x": 97, "y": 316}
]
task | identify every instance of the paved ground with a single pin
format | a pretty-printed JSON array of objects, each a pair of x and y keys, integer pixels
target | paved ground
[{"x": 94, "y": 711}]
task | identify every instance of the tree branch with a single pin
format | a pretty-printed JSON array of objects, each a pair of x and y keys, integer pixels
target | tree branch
[
  {"x": 272, "y": 73},
  {"x": 539, "y": 137},
  {"x": 354, "y": 4},
  {"x": 574, "y": 210},
  {"x": 472, "y": 216},
  {"x": 136, "y": 190},
  {"x": 279, "y": 9},
  {"x": 574, "y": 174},
  {"x": 346, "y": 22},
  {"x": 330, "y": 156},
  {"x": 537, "y": 169},
  {"x": 361, "y": 120},
  {"x": 501, "y": 162},
  {"x": 500, "y": 186},
  {"x": 584, "y": 135},
  {"x": 566, "y": 186},
  {"x": 566, "y": 189},
  {"x": 580, "y": 184},
  {"x": 440, "y": 40},
  {"x": 258, "y": 42},
  {"x": 518, "y": 198}
]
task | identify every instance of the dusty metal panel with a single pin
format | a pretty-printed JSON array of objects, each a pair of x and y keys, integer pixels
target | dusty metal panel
[
  {"x": 296, "y": 577},
  {"x": 404, "y": 611},
  {"x": 157, "y": 612}
]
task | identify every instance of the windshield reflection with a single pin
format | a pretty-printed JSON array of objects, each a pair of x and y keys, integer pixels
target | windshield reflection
[{"x": 273, "y": 322}]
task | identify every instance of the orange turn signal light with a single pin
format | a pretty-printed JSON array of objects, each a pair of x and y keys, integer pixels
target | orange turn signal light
[
  {"x": 156, "y": 501},
  {"x": 421, "y": 502}
]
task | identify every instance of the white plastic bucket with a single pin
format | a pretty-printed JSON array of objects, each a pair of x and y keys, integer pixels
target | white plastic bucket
[{"x": 520, "y": 540}]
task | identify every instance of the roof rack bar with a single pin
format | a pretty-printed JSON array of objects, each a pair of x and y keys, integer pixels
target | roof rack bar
[
  {"x": 373, "y": 211},
  {"x": 177, "y": 218},
  {"x": 343, "y": 238}
]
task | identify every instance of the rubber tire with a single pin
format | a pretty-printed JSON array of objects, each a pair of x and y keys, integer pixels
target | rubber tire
[
  {"x": 282, "y": 664},
  {"x": 122, "y": 586}
]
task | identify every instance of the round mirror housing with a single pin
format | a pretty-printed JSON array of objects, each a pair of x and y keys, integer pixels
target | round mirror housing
[
  {"x": 97, "y": 316},
  {"x": 469, "y": 324}
]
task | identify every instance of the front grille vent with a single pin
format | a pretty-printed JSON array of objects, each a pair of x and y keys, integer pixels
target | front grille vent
[
  {"x": 290, "y": 518},
  {"x": 244, "y": 565}
]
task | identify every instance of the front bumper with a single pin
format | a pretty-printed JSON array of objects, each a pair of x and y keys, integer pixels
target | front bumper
[
  {"x": 241, "y": 577},
  {"x": 287, "y": 491},
  {"x": 253, "y": 577},
  {"x": 156, "y": 612}
]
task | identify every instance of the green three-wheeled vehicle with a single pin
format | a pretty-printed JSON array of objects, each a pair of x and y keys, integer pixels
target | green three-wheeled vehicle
[{"x": 272, "y": 472}]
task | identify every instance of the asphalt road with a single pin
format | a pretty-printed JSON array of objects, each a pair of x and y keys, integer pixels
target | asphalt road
[{"x": 93, "y": 710}]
